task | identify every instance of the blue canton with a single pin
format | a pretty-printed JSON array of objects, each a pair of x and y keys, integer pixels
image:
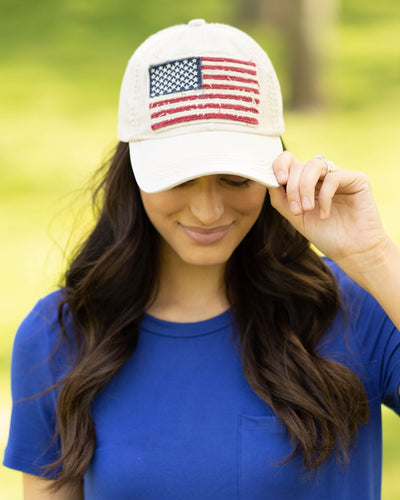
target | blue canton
[{"x": 175, "y": 76}]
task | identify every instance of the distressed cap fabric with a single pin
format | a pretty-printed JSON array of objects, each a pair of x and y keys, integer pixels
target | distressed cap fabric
[{"x": 200, "y": 99}]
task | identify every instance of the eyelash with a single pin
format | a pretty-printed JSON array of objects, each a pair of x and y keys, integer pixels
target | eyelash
[
  {"x": 241, "y": 184},
  {"x": 234, "y": 184}
]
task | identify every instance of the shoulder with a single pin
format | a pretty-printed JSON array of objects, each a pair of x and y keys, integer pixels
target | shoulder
[
  {"x": 344, "y": 281},
  {"x": 370, "y": 330},
  {"x": 365, "y": 326},
  {"x": 39, "y": 348},
  {"x": 43, "y": 318},
  {"x": 354, "y": 299}
]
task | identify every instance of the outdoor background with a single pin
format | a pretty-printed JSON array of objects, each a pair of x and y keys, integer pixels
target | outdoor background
[{"x": 61, "y": 64}]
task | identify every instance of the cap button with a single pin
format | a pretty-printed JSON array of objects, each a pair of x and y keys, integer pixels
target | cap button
[{"x": 196, "y": 22}]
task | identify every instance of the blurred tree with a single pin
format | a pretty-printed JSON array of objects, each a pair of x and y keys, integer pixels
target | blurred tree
[{"x": 307, "y": 25}]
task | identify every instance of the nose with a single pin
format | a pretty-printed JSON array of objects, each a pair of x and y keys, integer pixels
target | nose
[{"x": 207, "y": 203}]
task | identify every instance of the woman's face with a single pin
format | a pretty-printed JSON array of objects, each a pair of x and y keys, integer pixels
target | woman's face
[{"x": 205, "y": 219}]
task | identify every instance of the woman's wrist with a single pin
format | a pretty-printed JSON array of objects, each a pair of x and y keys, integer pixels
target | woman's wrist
[
  {"x": 378, "y": 272},
  {"x": 376, "y": 268}
]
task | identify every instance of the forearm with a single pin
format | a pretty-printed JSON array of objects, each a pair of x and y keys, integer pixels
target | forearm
[{"x": 379, "y": 274}]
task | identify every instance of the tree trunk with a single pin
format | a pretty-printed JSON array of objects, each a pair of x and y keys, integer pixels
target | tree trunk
[{"x": 307, "y": 25}]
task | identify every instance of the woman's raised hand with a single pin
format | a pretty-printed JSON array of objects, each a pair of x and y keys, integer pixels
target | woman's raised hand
[{"x": 335, "y": 210}]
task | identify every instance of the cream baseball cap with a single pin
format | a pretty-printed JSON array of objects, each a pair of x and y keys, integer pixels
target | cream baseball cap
[{"x": 200, "y": 99}]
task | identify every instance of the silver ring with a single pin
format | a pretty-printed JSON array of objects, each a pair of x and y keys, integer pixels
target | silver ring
[{"x": 330, "y": 166}]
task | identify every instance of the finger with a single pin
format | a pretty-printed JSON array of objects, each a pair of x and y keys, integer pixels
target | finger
[
  {"x": 313, "y": 171},
  {"x": 326, "y": 194},
  {"x": 281, "y": 166},
  {"x": 293, "y": 187}
]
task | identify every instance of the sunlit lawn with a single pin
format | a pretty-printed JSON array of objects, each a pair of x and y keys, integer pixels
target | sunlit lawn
[{"x": 59, "y": 91}]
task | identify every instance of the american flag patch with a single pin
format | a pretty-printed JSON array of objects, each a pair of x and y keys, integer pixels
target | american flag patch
[{"x": 203, "y": 88}]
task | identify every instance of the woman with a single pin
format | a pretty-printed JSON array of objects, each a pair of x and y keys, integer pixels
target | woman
[{"x": 199, "y": 347}]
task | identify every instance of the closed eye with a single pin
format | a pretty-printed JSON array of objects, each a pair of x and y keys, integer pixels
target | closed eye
[
  {"x": 232, "y": 180},
  {"x": 242, "y": 183}
]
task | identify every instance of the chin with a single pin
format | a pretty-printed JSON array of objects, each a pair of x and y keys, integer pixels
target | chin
[{"x": 206, "y": 258}]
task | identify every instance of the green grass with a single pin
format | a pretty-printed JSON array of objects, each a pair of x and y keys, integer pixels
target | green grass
[{"x": 61, "y": 67}]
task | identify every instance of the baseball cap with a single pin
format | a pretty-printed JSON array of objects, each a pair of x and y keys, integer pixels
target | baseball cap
[{"x": 199, "y": 99}]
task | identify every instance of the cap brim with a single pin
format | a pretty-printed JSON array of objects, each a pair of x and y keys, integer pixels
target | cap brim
[{"x": 160, "y": 164}]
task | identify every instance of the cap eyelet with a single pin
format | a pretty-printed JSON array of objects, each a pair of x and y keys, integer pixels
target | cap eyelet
[{"x": 194, "y": 23}]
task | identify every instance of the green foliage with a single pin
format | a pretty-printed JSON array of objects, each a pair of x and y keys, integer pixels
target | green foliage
[{"x": 61, "y": 64}]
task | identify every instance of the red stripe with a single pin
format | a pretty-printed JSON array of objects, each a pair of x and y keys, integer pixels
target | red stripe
[
  {"x": 204, "y": 106},
  {"x": 224, "y": 59},
  {"x": 205, "y": 96},
  {"x": 233, "y": 78},
  {"x": 230, "y": 68},
  {"x": 230, "y": 87},
  {"x": 206, "y": 116}
]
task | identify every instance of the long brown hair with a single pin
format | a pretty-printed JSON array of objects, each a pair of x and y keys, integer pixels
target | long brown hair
[{"x": 283, "y": 298}]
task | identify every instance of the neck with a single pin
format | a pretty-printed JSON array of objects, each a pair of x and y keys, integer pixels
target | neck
[{"x": 188, "y": 293}]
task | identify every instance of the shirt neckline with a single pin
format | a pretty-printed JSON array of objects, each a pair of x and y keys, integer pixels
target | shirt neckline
[{"x": 151, "y": 324}]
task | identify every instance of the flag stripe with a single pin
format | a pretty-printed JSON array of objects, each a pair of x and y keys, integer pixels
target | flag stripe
[
  {"x": 205, "y": 116},
  {"x": 229, "y": 87},
  {"x": 234, "y": 97},
  {"x": 230, "y": 78},
  {"x": 230, "y": 68},
  {"x": 204, "y": 106},
  {"x": 225, "y": 59},
  {"x": 198, "y": 111}
]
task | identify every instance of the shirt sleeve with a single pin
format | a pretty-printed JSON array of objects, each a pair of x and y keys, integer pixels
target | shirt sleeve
[
  {"x": 381, "y": 346},
  {"x": 37, "y": 364},
  {"x": 377, "y": 337}
]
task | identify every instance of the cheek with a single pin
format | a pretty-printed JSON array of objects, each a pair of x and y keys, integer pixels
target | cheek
[
  {"x": 160, "y": 205},
  {"x": 250, "y": 203}
]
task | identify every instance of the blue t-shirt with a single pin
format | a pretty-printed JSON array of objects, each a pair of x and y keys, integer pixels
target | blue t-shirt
[{"x": 180, "y": 421}]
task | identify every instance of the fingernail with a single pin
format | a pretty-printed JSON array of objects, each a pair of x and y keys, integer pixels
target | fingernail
[
  {"x": 306, "y": 203},
  {"x": 323, "y": 215},
  {"x": 294, "y": 207},
  {"x": 281, "y": 176}
]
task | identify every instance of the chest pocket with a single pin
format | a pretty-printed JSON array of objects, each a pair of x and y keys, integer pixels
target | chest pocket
[{"x": 263, "y": 444}]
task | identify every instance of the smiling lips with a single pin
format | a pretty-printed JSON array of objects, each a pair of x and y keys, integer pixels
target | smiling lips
[{"x": 206, "y": 236}]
